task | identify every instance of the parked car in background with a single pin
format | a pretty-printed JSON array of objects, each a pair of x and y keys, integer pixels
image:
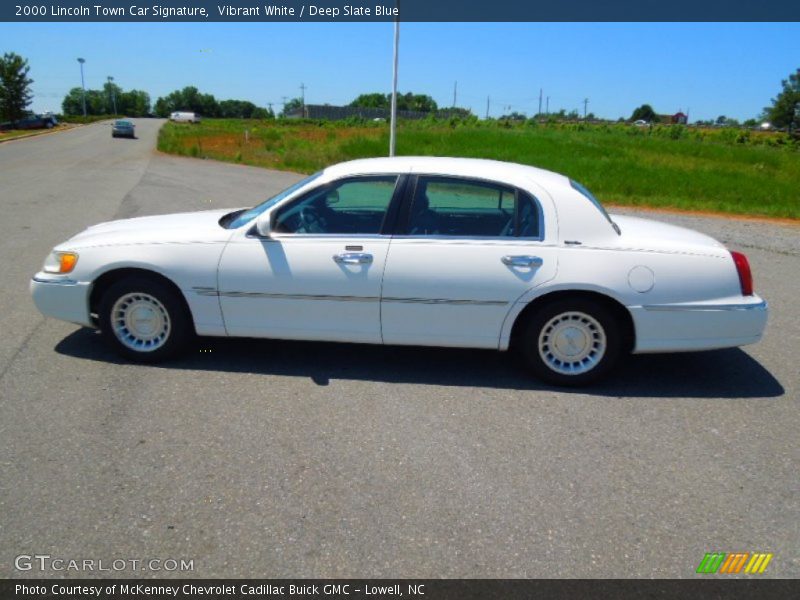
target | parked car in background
[
  {"x": 31, "y": 122},
  {"x": 184, "y": 117},
  {"x": 411, "y": 250},
  {"x": 123, "y": 128}
]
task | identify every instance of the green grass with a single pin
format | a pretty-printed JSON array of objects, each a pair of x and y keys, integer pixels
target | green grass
[
  {"x": 729, "y": 171},
  {"x": 18, "y": 133}
]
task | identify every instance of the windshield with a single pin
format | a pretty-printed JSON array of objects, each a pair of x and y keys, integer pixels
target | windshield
[
  {"x": 589, "y": 196},
  {"x": 248, "y": 215}
]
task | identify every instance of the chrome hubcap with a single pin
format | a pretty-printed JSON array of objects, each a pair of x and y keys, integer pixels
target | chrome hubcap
[
  {"x": 140, "y": 322},
  {"x": 572, "y": 343}
]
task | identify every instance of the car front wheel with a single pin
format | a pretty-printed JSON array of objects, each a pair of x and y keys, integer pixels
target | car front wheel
[
  {"x": 144, "y": 319},
  {"x": 571, "y": 342}
]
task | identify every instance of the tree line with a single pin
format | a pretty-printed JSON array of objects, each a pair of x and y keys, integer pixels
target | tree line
[
  {"x": 15, "y": 87},
  {"x": 190, "y": 99},
  {"x": 110, "y": 100},
  {"x": 408, "y": 101}
]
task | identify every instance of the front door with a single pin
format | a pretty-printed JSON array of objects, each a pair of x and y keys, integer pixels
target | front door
[{"x": 318, "y": 277}]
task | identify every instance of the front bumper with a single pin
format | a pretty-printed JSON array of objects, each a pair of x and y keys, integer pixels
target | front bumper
[
  {"x": 62, "y": 298},
  {"x": 724, "y": 323}
]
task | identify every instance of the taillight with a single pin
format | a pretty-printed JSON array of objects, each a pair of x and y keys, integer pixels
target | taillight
[{"x": 745, "y": 275}]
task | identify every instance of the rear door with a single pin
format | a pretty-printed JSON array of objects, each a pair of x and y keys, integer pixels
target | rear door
[{"x": 466, "y": 250}]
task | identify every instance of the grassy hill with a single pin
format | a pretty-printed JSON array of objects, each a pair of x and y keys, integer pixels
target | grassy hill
[{"x": 722, "y": 170}]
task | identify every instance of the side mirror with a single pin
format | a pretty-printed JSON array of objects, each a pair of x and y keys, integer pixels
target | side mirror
[{"x": 264, "y": 226}]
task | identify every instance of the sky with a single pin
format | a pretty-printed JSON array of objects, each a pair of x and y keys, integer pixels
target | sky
[{"x": 707, "y": 69}]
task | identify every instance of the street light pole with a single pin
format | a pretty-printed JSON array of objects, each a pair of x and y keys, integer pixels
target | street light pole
[
  {"x": 83, "y": 86},
  {"x": 113, "y": 95},
  {"x": 393, "y": 117}
]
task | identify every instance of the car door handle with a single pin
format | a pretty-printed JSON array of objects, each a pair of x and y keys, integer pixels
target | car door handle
[
  {"x": 522, "y": 261},
  {"x": 352, "y": 258}
]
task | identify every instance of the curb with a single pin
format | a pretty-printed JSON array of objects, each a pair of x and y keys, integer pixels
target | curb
[{"x": 43, "y": 132}]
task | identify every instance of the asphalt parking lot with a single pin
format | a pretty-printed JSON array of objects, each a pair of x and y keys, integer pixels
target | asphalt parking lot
[{"x": 287, "y": 459}]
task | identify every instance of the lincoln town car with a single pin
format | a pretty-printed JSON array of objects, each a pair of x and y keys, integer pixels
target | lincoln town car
[{"x": 417, "y": 251}]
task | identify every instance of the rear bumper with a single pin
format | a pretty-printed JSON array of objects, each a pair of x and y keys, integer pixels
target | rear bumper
[
  {"x": 62, "y": 299},
  {"x": 724, "y": 323}
]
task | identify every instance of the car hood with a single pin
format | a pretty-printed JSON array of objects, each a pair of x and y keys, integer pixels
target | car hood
[
  {"x": 180, "y": 228},
  {"x": 646, "y": 234}
]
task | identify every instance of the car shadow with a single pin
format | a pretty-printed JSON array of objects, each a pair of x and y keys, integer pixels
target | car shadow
[{"x": 728, "y": 373}]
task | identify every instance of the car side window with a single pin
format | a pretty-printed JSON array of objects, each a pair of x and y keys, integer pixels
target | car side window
[
  {"x": 445, "y": 206},
  {"x": 351, "y": 206},
  {"x": 529, "y": 217}
]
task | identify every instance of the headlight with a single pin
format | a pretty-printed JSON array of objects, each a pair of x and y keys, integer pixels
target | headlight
[{"x": 60, "y": 262}]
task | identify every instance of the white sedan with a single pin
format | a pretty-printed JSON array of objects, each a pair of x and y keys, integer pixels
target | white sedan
[{"x": 420, "y": 251}]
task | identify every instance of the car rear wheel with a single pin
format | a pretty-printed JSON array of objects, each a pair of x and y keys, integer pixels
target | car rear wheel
[
  {"x": 571, "y": 342},
  {"x": 144, "y": 319}
]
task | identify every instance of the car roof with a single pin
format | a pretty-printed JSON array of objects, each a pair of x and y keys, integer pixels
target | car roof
[{"x": 464, "y": 167}]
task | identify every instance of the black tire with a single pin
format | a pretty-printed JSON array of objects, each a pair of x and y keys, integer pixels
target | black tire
[
  {"x": 588, "y": 328},
  {"x": 159, "y": 305}
]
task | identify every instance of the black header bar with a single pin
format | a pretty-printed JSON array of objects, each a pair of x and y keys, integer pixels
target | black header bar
[{"x": 405, "y": 10}]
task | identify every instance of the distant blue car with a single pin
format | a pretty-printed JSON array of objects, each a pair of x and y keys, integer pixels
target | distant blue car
[{"x": 122, "y": 128}]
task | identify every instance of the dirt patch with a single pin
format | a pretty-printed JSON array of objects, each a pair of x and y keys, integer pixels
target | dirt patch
[
  {"x": 322, "y": 134},
  {"x": 709, "y": 213}
]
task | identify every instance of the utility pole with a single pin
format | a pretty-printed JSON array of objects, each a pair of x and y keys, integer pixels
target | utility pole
[
  {"x": 283, "y": 105},
  {"x": 540, "y": 101},
  {"x": 393, "y": 115},
  {"x": 585, "y": 104},
  {"x": 83, "y": 86},
  {"x": 303, "y": 98},
  {"x": 113, "y": 95},
  {"x": 547, "y": 109},
  {"x": 455, "y": 93},
  {"x": 487, "y": 106}
]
